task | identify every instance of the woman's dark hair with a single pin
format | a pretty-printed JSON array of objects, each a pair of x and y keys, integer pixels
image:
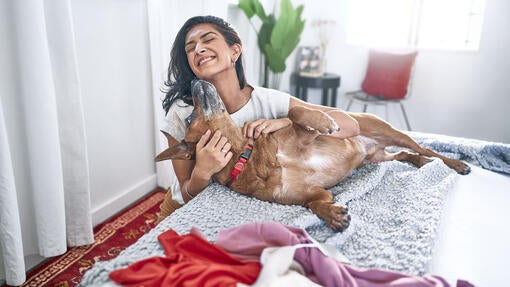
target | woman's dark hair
[{"x": 179, "y": 72}]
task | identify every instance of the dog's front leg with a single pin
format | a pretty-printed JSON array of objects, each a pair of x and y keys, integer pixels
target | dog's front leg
[
  {"x": 313, "y": 120},
  {"x": 321, "y": 203},
  {"x": 310, "y": 123}
]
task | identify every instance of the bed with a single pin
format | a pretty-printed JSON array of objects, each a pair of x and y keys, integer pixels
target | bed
[{"x": 414, "y": 221}]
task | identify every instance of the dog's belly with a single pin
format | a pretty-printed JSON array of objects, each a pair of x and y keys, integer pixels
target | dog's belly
[
  {"x": 315, "y": 167},
  {"x": 320, "y": 171}
]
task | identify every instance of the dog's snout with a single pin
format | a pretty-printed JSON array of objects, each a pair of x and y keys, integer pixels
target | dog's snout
[
  {"x": 206, "y": 97},
  {"x": 196, "y": 87}
]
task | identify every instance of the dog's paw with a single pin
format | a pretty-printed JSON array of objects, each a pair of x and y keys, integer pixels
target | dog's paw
[
  {"x": 323, "y": 123},
  {"x": 461, "y": 168},
  {"x": 334, "y": 215},
  {"x": 339, "y": 219}
]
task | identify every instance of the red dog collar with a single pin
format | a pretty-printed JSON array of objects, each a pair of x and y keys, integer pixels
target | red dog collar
[{"x": 238, "y": 167}]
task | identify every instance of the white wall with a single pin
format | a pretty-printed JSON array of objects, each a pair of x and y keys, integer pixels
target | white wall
[
  {"x": 463, "y": 94},
  {"x": 114, "y": 66}
]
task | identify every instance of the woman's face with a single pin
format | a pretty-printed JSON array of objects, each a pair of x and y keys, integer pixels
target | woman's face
[{"x": 208, "y": 53}]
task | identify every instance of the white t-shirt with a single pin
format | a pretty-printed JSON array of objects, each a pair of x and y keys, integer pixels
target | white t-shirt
[{"x": 263, "y": 104}]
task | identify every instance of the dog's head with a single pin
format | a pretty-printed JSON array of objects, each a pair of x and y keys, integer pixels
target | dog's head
[{"x": 208, "y": 108}]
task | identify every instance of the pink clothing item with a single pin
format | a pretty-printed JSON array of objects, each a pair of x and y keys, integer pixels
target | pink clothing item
[{"x": 249, "y": 240}]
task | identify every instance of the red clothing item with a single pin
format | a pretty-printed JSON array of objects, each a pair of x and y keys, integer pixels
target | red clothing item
[{"x": 191, "y": 261}]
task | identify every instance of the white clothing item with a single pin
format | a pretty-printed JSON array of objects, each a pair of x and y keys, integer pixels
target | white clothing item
[
  {"x": 280, "y": 269},
  {"x": 263, "y": 104}
]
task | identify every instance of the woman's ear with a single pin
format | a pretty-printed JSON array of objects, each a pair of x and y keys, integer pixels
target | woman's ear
[{"x": 236, "y": 52}]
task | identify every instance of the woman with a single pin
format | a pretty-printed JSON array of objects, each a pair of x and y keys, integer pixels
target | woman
[{"x": 207, "y": 48}]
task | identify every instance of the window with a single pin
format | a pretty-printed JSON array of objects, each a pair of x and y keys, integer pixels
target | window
[{"x": 434, "y": 24}]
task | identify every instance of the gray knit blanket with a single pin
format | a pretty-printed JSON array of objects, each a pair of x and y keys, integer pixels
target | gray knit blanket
[{"x": 395, "y": 209}]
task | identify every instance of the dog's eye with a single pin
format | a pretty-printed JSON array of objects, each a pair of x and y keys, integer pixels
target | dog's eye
[{"x": 189, "y": 119}]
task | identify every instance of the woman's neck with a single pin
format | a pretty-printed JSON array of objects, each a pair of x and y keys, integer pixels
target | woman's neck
[{"x": 232, "y": 96}]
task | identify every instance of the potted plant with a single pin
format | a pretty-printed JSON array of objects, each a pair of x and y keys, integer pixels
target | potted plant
[{"x": 276, "y": 37}]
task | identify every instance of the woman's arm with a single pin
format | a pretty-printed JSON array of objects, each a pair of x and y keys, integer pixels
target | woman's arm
[
  {"x": 212, "y": 154},
  {"x": 349, "y": 127},
  {"x": 190, "y": 184}
]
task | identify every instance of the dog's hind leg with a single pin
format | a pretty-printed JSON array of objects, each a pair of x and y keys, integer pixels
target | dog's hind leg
[
  {"x": 403, "y": 155},
  {"x": 321, "y": 203},
  {"x": 403, "y": 140},
  {"x": 386, "y": 135}
]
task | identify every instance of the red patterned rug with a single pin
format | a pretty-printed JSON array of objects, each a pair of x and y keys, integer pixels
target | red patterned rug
[{"x": 111, "y": 237}]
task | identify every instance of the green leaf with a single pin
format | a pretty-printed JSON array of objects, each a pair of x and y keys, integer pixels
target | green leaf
[
  {"x": 259, "y": 10},
  {"x": 247, "y": 7},
  {"x": 252, "y": 7},
  {"x": 274, "y": 59},
  {"x": 264, "y": 36}
]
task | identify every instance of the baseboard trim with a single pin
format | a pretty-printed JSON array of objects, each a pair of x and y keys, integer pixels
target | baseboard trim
[{"x": 123, "y": 199}]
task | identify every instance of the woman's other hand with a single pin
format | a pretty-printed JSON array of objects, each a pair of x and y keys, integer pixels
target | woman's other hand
[
  {"x": 253, "y": 129},
  {"x": 212, "y": 154}
]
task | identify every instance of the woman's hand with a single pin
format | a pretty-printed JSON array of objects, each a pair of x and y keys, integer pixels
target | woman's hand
[
  {"x": 253, "y": 129},
  {"x": 212, "y": 154}
]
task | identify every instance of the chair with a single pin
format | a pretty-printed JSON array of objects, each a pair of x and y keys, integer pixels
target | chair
[{"x": 388, "y": 80}]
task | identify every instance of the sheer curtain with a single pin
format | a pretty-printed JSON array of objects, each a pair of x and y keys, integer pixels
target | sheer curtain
[{"x": 43, "y": 152}]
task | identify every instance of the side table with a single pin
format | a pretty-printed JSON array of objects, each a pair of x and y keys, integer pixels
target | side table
[{"x": 328, "y": 82}]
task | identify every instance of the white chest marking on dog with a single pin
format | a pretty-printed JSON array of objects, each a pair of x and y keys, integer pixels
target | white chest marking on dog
[
  {"x": 318, "y": 162},
  {"x": 311, "y": 170}
]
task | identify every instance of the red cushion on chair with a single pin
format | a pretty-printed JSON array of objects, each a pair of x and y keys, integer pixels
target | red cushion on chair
[{"x": 388, "y": 74}]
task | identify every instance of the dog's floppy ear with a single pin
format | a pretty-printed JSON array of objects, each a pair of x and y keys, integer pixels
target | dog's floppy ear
[{"x": 175, "y": 150}]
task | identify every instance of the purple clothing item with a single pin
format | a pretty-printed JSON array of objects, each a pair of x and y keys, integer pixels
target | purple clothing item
[{"x": 247, "y": 242}]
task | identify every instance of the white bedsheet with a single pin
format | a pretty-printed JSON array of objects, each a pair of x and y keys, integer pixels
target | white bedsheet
[{"x": 474, "y": 236}]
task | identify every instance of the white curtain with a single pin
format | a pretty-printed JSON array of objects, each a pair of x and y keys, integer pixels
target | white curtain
[
  {"x": 43, "y": 153},
  {"x": 165, "y": 20}
]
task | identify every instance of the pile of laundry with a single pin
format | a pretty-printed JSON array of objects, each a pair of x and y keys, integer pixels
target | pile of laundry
[{"x": 256, "y": 254}]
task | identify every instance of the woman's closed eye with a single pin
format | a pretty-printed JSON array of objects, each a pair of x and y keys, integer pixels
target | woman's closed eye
[
  {"x": 192, "y": 46},
  {"x": 208, "y": 40}
]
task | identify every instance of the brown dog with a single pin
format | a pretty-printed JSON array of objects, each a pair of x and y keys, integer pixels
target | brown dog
[{"x": 295, "y": 165}]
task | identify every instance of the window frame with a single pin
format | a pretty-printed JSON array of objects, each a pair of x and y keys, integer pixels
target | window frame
[{"x": 415, "y": 38}]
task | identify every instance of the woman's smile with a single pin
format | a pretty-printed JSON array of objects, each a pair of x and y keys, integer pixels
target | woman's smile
[{"x": 204, "y": 60}]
